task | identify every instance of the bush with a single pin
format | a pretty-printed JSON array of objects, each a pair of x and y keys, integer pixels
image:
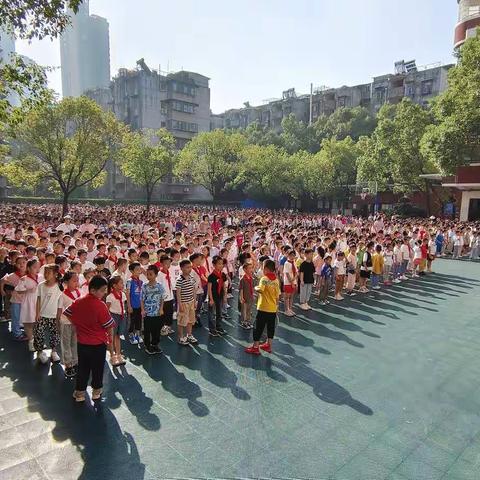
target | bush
[{"x": 408, "y": 210}]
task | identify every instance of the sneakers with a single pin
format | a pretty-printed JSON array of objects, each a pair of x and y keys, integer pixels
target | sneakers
[
  {"x": 149, "y": 350},
  {"x": 253, "y": 350},
  {"x": 133, "y": 339},
  {"x": 169, "y": 330},
  {"x": 31, "y": 348},
  {"x": 157, "y": 349},
  {"x": 221, "y": 331},
  {"x": 183, "y": 341},
  {"x": 403, "y": 277},
  {"x": 245, "y": 326},
  {"x": 289, "y": 313},
  {"x": 191, "y": 339},
  {"x": 338, "y": 297},
  {"x": 42, "y": 357},
  {"x": 79, "y": 396},
  {"x": 304, "y": 307},
  {"x": 139, "y": 339},
  {"x": 214, "y": 333},
  {"x": 54, "y": 357},
  {"x": 397, "y": 280},
  {"x": 376, "y": 287},
  {"x": 266, "y": 347},
  {"x": 164, "y": 331},
  {"x": 96, "y": 394}
]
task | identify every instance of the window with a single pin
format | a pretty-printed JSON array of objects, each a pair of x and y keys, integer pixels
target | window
[
  {"x": 184, "y": 88},
  {"x": 410, "y": 90},
  {"x": 183, "y": 126},
  {"x": 427, "y": 87},
  {"x": 185, "y": 107}
]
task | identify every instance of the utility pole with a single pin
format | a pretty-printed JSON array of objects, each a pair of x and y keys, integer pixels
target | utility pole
[{"x": 311, "y": 104}]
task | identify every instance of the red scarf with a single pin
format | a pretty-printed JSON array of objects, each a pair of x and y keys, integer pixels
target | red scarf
[
  {"x": 271, "y": 276},
  {"x": 220, "y": 282},
  {"x": 35, "y": 279},
  {"x": 167, "y": 275},
  {"x": 249, "y": 281},
  {"x": 119, "y": 297},
  {"x": 71, "y": 295},
  {"x": 114, "y": 260}
]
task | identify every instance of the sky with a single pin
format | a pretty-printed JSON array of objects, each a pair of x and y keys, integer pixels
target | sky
[{"x": 253, "y": 50}]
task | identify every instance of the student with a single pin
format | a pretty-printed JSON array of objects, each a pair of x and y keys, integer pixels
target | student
[
  {"x": 405, "y": 249},
  {"x": 417, "y": 257},
  {"x": 116, "y": 300},
  {"x": 246, "y": 297},
  {"x": 99, "y": 263},
  {"x": 351, "y": 269},
  {"x": 121, "y": 271},
  {"x": 307, "y": 279},
  {"x": 387, "y": 264},
  {"x": 27, "y": 287},
  {"x": 186, "y": 304},
  {"x": 340, "y": 268},
  {"x": 201, "y": 282},
  {"x": 318, "y": 262},
  {"x": 289, "y": 282},
  {"x": 152, "y": 302},
  {"x": 68, "y": 334},
  {"x": 366, "y": 267},
  {"x": 92, "y": 321},
  {"x": 49, "y": 295},
  {"x": 216, "y": 297},
  {"x": 326, "y": 275},
  {"x": 9, "y": 282},
  {"x": 397, "y": 262},
  {"x": 166, "y": 280},
  {"x": 267, "y": 305},
  {"x": 377, "y": 267},
  {"x": 134, "y": 292}
]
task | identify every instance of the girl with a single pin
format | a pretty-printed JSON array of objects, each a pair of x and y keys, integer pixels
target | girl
[
  {"x": 351, "y": 270},
  {"x": 115, "y": 300},
  {"x": 388, "y": 264},
  {"x": 88, "y": 274},
  {"x": 289, "y": 282},
  {"x": 49, "y": 294},
  {"x": 417, "y": 257},
  {"x": 68, "y": 335},
  {"x": 9, "y": 283},
  {"x": 27, "y": 287},
  {"x": 318, "y": 263},
  {"x": 340, "y": 270}
]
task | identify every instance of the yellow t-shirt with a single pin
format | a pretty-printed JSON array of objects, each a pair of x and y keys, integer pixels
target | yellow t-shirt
[
  {"x": 269, "y": 292},
  {"x": 377, "y": 263}
]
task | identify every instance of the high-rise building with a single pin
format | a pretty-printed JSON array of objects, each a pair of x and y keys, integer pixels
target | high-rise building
[
  {"x": 7, "y": 47},
  {"x": 85, "y": 53},
  {"x": 468, "y": 20}
]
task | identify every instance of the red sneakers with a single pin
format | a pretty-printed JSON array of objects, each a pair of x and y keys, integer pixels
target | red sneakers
[
  {"x": 253, "y": 350},
  {"x": 266, "y": 347}
]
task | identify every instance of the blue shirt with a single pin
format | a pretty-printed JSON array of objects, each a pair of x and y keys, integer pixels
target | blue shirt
[
  {"x": 152, "y": 297},
  {"x": 326, "y": 271},
  {"x": 134, "y": 291}
]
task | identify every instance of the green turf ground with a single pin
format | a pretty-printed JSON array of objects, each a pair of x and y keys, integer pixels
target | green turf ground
[{"x": 376, "y": 387}]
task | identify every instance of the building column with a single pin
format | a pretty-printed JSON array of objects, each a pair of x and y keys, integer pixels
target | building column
[{"x": 465, "y": 205}]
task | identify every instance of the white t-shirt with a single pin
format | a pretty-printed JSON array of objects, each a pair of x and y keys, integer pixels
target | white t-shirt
[
  {"x": 340, "y": 266},
  {"x": 287, "y": 268},
  {"x": 65, "y": 302},
  {"x": 417, "y": 252},
  {"x": 50, "y": 300},
  {"x": 405, "y": 252},
  {"x": 115, "y": 305},
  {"x": 175, "y": 272},
  {"x": 388, "y": 258},
  {"x": 397, "y": 253}
]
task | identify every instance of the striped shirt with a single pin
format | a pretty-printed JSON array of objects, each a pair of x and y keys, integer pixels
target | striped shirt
[{"x": 187, "y": 288}]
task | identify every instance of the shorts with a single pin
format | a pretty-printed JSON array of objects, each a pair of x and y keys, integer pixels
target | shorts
[
  {"x": 187, "y": 316},
  {"x": 364, "y": 274},
  {"x": 289, "y": 289},
  {"x": 121, "y": 327},
  {"x": 417, "y": 261}
]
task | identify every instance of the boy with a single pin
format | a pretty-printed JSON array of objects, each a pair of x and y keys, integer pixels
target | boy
[
  {"x": 307, "y": 278},
  {"x": 377, "y": 267},
  {"x": 267, "y": 306},
  {"x": 245, "y": 296},
  {"x": 152, "y": 310},
  {"x": 134, "y": 307},
  {"x": 167, "y": 282},
  {"x": 92, "y": 320},
  {"x": 186, "y": 304},
  {"x": 325, "y": 279},
  {"x": 216, "y": 297}
]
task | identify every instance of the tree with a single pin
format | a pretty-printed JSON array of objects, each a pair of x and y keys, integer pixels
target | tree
[
  {"x": 28, "y": 19},
  {"x": 345, "y": 122},
  {"x": 147, "y": 157},
  {"x": 258, "y": 134},
  {"x": 211, "y": 159},
  {"x": 298, "y": 136},
  {"x": 65, "y": 145},
  {"x": 453, "y": 139}
]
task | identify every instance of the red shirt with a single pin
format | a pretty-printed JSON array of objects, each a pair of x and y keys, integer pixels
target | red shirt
[{"x": 91, "y": 319}]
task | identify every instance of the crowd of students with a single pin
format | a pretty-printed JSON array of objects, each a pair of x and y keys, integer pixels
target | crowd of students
[{"x": 99, "y": 277}]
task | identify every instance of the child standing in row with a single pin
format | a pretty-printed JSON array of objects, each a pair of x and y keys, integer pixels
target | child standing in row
[
  {"x": 68, "y": 335},
  {"x": 134, "y": 293},
  {"x": 49, "y": 294},
  {"x": 307, "y": 279},
  {"x": 116, "y": 300},
  {"x": 246, "y": 296},
  {"x": 267, "y": 306}
]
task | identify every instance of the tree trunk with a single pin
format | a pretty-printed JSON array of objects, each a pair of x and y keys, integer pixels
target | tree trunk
[
  {"x": 428, "y": 198},
  {"x": 66, "y": 196},
  {"x": 149, "y": 198}
]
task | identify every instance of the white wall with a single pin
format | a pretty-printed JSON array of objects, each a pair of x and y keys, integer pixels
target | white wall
[{"x": 466, "y": 197}]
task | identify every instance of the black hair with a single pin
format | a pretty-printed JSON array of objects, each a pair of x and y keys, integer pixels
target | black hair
[
  {"x": 153, "y": 268},
  {"x": 97, "y": 282},
  {"x": 184, "y": 263},
  {"x": 269, "y": 265},
  {"x": 133, "y": 266}
]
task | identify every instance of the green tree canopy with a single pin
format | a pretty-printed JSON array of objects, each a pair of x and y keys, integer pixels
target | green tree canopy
[
  {"x": 297, "y": 135},
  {"x": 211, "y": 159},
  {"x": 65, "y": 145},
  {"x": 147, "y": 157},
  {"x": 454, "y": 138}
]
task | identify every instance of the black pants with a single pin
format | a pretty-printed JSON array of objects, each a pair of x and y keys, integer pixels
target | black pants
[
  {"x": 91, "y": 360},
  {"x": 215, "y": 315},
  {"x": 151, "y": 331},
  {"x": 264, "y": 318},
  {"x": 135, "y": 320},
  {"x": 167, "y": 317}
]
